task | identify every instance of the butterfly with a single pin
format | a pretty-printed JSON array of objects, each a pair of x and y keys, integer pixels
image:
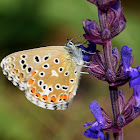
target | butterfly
[{"x": 49, "y": 76}]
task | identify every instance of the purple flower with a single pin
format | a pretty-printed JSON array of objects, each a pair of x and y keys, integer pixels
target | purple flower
[
  {"x": 89, "y": 51},
  {"x": 132, "y": 72},
  {"x": 112, "y": 22},
  {"x": 94, "y": 131},
  {"x": 103, "y": 4}
]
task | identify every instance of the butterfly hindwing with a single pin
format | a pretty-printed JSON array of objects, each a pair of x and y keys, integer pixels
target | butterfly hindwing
[{"x": 53, "y": 84}]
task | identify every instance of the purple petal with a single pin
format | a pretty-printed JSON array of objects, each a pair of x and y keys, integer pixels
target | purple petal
[
  {"x": 101, "y": 135},
  {"x": 126, "y": 58},
  {"x": 136, "y": 109},
  {"x": 121, "y": 100},
  {"x": 135, "y": 79},
  {"x": 117, "y": 6},
  {"x": 111, "y": 17},
  {"x": 86, "y": 51},
  {"x": 106, "y": 34},
  {"x": 136, "y": 93},
  {"x": 115, "y": 57},
  {"x": 87, "y": 124},
  {"x": 89, "y": 134},
  {"x": 107, "y": 136},
  {"x": 96, "y": 111},
  {"x": 103, "y": 4}
]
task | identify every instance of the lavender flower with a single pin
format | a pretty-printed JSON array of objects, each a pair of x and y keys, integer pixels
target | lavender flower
[
  {"x": 94, "y": 131},
  {"x": 87, "y": 52},
  {"x": 103, "y": 4},
  {"x": 112, "y": 23},
  {"x": 132, "y": 72}
]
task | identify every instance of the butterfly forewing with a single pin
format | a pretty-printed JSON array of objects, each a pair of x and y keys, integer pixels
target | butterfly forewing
[
  {"x": 53, "y": 84},
  {"x": 18, "y": 66}
]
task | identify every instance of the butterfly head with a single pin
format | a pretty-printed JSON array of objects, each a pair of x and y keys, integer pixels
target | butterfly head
[{"x": 75, "y": 52}]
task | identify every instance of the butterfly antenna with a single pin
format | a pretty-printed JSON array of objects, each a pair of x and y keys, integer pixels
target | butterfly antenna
[
  {"x": 76, "y": 37},
  {"x": 88, "y": 52}
]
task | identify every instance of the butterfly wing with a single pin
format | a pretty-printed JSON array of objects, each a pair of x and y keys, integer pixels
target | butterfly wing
[
  {"x": 18, "y": 66},
  {"x": 53, "y": 84},
  {"x": 48, "y": 75}
]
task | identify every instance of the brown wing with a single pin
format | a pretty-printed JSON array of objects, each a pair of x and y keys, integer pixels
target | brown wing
[
  {"x": 53, "y": 84},
  {"x": 18, "y": 66}
]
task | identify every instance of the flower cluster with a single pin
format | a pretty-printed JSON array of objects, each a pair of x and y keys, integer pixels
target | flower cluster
[
  {"x": 110, "y": 69},
  {"x": 112, "y": 22}
]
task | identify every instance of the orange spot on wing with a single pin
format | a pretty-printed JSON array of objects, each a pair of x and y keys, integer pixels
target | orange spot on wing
[
  {"x": 69, "y": 95},
  {"x": 12, "y": 66},
  {"x": 30, "y": 81},
  {"x": 21, "y": 75},
  {"x": 65, "y": 97},
  {"x": 33, "y": 73},
  {"x": 61, "y": 97},
  {"x": 37, "y": 95},
  {"x": 16, "y": 71},
  {"x": 32, "y": 90},
  {"x": 44, "y": 97},
  {"x": 53, "y": 99}
]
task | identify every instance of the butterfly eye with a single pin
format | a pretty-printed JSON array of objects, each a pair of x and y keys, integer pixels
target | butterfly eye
[
  {"x": 42, "y": 74},
  {"x": 56, "y": 61},
  {"x": 46, "y": 66},
  {"x": 70, "y": 43},
  {"x": 60, "y": 69},
  {"x": 66, "y": 73}
]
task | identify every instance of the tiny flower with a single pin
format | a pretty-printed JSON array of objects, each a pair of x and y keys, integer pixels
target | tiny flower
[
  {"x": 103, "y": 4},
  {"x": 95, "y": 131},
  {"x": 89, "y": 51},
  {"x": 132, "y": 72},
  {"x": 92, "y": 31}
]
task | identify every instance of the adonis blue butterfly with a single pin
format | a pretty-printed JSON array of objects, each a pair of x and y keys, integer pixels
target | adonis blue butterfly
[{"x": 49, "y": 76}]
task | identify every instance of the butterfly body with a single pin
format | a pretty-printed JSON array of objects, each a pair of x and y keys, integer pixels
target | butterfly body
[{"x": 48, "y": 75}]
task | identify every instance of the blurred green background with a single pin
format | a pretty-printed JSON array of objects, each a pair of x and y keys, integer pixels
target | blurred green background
[{"x": 28, "y": 24}]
